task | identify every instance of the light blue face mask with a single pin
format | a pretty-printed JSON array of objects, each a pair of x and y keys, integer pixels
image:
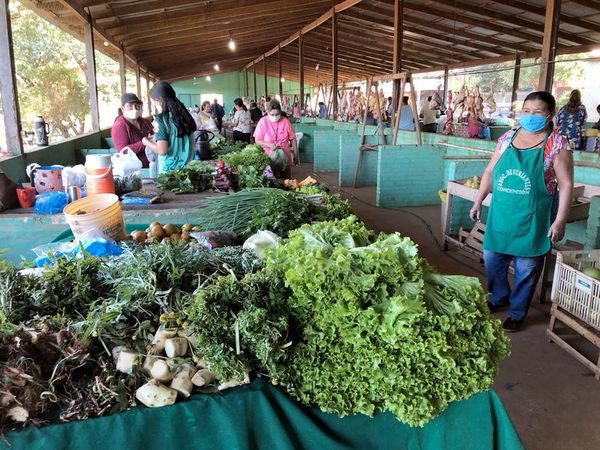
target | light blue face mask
[{"x": 533, "y": 124}]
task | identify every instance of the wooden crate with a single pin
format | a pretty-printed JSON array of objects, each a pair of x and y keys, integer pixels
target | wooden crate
[{"x": 576, "y": 302}]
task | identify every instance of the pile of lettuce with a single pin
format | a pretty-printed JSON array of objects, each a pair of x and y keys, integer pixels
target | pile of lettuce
[{"x": 367, "y": 325}]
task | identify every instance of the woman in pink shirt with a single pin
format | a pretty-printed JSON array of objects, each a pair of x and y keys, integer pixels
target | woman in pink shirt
[{"x": 274, "y": 131}]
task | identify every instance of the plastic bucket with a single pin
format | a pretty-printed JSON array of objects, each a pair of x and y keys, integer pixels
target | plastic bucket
[
  {"x": 101, "y": 212},
  {"x": 47, "y": 179}
]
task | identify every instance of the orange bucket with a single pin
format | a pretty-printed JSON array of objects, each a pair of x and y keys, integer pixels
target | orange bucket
[{"x": 99, "y": 176}]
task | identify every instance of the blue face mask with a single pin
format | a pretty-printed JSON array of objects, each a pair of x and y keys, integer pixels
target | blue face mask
[{"x": 533, "y": 124}]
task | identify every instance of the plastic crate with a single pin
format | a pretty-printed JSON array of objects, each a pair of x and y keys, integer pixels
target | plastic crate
[{"x": 575, "y": 292}]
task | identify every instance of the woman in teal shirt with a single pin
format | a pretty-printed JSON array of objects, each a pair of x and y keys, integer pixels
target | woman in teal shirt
[
  {"x": 174, "y": 129},
  {"x": 531, "y": 168}
]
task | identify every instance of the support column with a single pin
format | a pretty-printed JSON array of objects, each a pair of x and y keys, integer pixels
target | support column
[
  {"x": 8, "y": 84},
  {"x": 301, "y": 70},
  {"x": 122, "y": 71},
  {"x": 549, "y": 44},
  {"x": 445, "y": 99},
  {"x": 265, "y": 75},
  {"x": 397, "y": 51},
  {"x": 255, "y": 89},
  {"x": 90, "y": 57},
  {"x": 246, "y": 92},
  {"x": 280, "y": 72},
  {"x": 148, "y": 94},
  {"x": 515, "y": 86},
  {"x": 138, "y": 81},
  {"x": 334, "y": 57}
]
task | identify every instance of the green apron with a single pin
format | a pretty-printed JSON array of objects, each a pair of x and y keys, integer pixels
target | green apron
[{"x": 520, "y": 210}]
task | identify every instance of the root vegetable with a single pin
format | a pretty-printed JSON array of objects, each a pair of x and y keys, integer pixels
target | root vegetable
[
  {"x": 203, "y": 378},
  {"x": 176, "y": 346},
  {"x": 160, "y": 371},
  {"x": 161, "y": 337},
  {"x": 149, "y": 362},
  {"x": 126, "y": 361},
  {"x": 154, "y": 395},
  {"x": 182, "y": 382},
  {"x": 18, "y": 414}
]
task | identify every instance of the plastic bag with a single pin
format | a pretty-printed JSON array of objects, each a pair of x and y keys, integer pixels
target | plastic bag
[
  {"x": 215, "y": 239},
  {"x": 125, "y": 162},
  {"x": 260, "y": 241},
  {"x": 50, "y": 203},
  {"x": 73, "y": 176}
]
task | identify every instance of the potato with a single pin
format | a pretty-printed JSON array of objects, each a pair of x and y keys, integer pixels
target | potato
[
  {"x": 171, "y": 229},
  {"x": 175, "y": 236},
  {"x": 187, "y": 227},
  {"x": 185, "y": 236},
  {"x": 157, "y": 232},
  {"x": 153, "y": 224}
]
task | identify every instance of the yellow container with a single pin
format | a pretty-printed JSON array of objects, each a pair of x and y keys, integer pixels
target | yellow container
[
  {"x": 443, "y": 195},
  {"x": 101, "y": 212}
]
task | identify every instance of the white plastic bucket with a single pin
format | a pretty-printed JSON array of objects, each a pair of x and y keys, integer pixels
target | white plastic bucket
[{"x": 101, "y": 212}]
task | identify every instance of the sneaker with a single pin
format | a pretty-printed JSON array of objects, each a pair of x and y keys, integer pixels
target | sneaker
[
  {"x": 494, "y": 308},
  {"x": 510, "y": 325}
]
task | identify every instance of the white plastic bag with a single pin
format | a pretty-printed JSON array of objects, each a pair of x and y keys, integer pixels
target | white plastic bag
[
  {"x": 125, "y": 162},
  {"x": 73, "y": 176},
  {"x": 260, "y": 241}
]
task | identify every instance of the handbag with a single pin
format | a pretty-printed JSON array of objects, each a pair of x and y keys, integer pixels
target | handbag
[{"x": 8, "y": 193}]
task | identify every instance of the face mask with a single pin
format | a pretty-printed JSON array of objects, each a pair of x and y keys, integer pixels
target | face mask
[
  {"x": 274, "y": 118},
  {"x": 533, "y": 124},
  {"x": 132, "y": 114}
]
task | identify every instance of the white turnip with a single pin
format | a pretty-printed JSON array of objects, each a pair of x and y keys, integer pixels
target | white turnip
[{"x": 176, "y": 346}]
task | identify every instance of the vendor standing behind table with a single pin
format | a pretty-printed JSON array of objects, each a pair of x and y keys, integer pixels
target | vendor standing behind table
[
  {"x": 175, "y": 126},
  {"x": 274, "y": 131},
  {"x": 206, "y": 119},
  {"x": 529, "y": 164},
  {"x": 241, "y": 122},
  {"x": 218, "y": 113},
  {"x": 597, "y": 124},
  {"x": 429, "y": 116},
  {"x": 570, "y": 120},
  {"x": 407, "y": 121},
  {"x": 255, "y": 113},
  {"x": 130, "y": 128}
]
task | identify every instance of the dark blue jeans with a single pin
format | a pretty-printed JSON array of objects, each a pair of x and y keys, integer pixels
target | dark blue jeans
[{"x": 527, "y": 273}]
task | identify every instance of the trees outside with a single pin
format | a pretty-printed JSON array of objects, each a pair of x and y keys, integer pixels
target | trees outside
[{"x": 51, "y": 75}]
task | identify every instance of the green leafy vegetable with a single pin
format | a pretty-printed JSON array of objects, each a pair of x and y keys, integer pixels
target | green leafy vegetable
[{"x": 197, "y": 176}]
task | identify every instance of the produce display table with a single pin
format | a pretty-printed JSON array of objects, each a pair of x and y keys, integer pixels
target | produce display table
[{"x": 260, "y": 416}]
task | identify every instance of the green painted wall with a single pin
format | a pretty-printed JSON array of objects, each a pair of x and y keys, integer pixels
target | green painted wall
[
  {"x": 232, "y": 85},
  {"x": 65, "y": 153}
]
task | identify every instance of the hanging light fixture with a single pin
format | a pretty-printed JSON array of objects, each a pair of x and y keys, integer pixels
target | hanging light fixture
[
  {"x": 231, "y": 42},
  {"x": 282, "y": 80},
  {"x": 106, "y": 43},
  {"x": 217, "y": 68},
  {"x": 207, "y": 77},
  {"x": 317, "y": 68}
]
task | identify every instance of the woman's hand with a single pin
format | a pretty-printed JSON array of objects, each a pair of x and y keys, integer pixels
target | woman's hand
[
  {"x": 557, "y": 231},
  {"x": 475, "y": 213}
]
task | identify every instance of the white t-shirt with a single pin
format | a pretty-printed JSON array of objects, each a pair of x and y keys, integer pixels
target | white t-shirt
[
  {"x": 243, "y": 121},
  {"x": 406, "y": 119},
  {"x": 429, "y": 115}
]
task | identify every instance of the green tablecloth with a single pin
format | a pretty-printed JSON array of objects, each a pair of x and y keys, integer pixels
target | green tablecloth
[{"x": 260, "y": 416}]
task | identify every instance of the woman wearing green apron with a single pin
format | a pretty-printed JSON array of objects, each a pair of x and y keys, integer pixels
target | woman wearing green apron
[{"x": 529, "y": 164}]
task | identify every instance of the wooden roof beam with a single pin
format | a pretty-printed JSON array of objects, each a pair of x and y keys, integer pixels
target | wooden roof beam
[
  {"x": 541, "y": 11},
  {"x": 311, "y": 26},
  {"x": 437, "y": 27}
]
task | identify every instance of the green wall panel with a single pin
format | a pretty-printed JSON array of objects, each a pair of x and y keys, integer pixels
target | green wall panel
[
  {"x": 349, "y": 158},
  {"x": 409, "y": 175},
  {"x": 327, "y": 150}
]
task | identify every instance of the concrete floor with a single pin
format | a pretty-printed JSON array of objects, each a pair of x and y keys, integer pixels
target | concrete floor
[{"x": 553, "y": 400}]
